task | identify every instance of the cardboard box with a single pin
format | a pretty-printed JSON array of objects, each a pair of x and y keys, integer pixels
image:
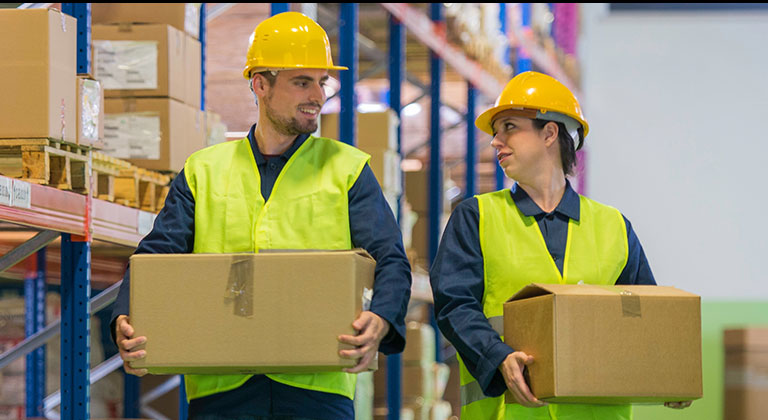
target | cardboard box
[
  {"x": 38, "y": 74},
  {"x": 153, "y": 133},
  {"x": 375, "y": 130},
  {"x": 746, "y": 373},
  {"x": 193, "y": 68},
  {"x": 90, "y": 112},
  {"x": 607, "y": 344},
  {"x": 271, "y": 312},
  {"x": 152, "y": 60},
  {"x": 418, "y": 382},
  {"x": 182, "y": 16},
  {"x": 419, "y": 343}
]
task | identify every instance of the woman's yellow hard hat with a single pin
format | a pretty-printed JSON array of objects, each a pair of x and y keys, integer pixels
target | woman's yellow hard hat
[
  {"x": 289, "y": 40},
  {"x": 535, "y": 91}
]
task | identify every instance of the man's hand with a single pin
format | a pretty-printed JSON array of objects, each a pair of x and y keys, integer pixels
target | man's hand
[
  {"x": 678, "y": 405},
  {"x": 371, "y": 329},
  {"x": 127, "y": 344},
  {"x": 512, "y": 370}
]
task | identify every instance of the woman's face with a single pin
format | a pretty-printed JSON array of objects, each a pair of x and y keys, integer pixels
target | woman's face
[{"x": 520, "y": 147}]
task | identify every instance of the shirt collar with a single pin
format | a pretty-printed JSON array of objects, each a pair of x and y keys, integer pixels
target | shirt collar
[
  {"x": 569, "y": 206},
  {"x": 260, "y": 160}
]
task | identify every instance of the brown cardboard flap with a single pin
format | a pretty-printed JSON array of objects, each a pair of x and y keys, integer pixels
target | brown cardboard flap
[
  {"x": 359, "y": 251},
  {"x": 539, "y": 289}
]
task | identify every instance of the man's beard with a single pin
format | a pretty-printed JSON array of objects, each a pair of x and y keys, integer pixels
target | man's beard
[{"x": 288, "y": 126}]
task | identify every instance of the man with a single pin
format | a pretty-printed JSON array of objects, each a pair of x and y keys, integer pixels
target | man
[{"x": 282, "y": 188}]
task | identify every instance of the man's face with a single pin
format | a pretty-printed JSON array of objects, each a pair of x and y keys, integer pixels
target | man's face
[{"x": 292, "y": 105}]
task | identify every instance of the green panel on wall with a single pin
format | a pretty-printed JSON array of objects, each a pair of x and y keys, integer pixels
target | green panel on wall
[{"x": 716, "y": 316}]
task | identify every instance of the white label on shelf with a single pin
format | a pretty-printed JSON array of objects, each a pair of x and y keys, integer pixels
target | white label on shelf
[
  {"x": 146, "y": 221},
  {"x": 22, "y": 194},
  {"x": 125, "y": 64},
  {"x": 6, "y": 188}
]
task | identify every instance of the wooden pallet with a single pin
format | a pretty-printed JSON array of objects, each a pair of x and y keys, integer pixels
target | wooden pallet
[
  {"x": 141, "y": 188},
  {"x": 45, "y": 161},
  {"x": 105, "y": 170}
]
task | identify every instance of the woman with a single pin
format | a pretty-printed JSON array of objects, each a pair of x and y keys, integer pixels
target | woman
[{"x": 540, "y": 231}]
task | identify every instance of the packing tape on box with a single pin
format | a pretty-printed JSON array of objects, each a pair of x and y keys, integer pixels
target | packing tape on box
[
  {"x": 630, "y": 302},
  {"x": 240, "y": 286}
]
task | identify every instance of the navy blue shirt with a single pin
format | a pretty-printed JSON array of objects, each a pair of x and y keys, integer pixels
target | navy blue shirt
[
  {"x": 457, "y": 279},
  {"x": 372, "y": 227}
]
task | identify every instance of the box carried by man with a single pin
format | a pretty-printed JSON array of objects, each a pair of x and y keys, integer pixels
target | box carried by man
[{"x": 270, "y": 312}]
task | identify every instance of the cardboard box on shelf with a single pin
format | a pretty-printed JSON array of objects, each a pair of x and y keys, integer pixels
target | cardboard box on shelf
[
  {"x": 270, "y": 312},
  {"x": 153, "y": 133},
  {"x": 419, "y": 343},
  {"x": 622, "y": 328},
  {"x": 418, "y": 382},
  {"x": 193, "y": 68},
  {"x": 38, "y": 75},
  {"x": 90, "y": 112},
  {"x": 182, "y": 16},
  {"x": 153, "y": 60},
  {"x": 746, "y": 373},
  {"x": 375, "y": 130}
]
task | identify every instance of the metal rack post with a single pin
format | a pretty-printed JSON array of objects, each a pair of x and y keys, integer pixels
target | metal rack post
[
  {"x": 81, "y": 12},
  {"x": 75, "y": 328},
  {"x": 348, "y": 58},
  {"x": 471, "y": 157},
  {"x": 278, "y": 8},
  {"x": 34, "y": 322},
  {"x": 396, "y": 72},
  {"x": 435, "y": 163},
  {"x": 503, "y": 19}
]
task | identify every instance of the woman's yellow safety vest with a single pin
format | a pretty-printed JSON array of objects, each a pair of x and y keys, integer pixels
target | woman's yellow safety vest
[
  {"x": 515, "y": 255},
  {"x": 307, "y": 209}
]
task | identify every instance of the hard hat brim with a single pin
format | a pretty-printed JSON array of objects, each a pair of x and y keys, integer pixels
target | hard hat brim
[
  {"x": 484, "y": 120},
  {"x": 248, "y": 70}
]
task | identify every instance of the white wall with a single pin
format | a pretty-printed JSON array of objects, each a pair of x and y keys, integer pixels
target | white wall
[{"x": 678, "y": 109}]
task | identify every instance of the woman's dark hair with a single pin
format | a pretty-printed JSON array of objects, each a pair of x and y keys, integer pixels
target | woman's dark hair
[{"x": 567, "y": 148}]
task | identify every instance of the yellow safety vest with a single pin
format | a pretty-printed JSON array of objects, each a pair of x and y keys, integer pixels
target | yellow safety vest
[
  {"x": 307, "y": 209},
  {"x": 515, "y": 255}
]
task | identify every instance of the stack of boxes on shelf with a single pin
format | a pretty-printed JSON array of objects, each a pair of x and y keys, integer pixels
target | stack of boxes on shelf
[
  {"x": 12, "y": 377},
  {"x": 416, "y": 239},
  {"x": 746, "y": 373},
  {"x": 377, "y": 136},
  {"x": 149, "y": 61},
  {"x": 55, "y": 125},
  {"x": 46, "y": 110},
  {"x": 424, "y": 381}
]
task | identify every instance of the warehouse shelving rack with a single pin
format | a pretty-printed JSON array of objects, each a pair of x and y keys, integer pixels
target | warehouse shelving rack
[
  {"x": 78, "y": 220},
  {"x": 430, "y": 31}
]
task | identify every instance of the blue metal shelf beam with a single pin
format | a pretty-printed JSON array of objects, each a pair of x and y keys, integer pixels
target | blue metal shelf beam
[
  {"x": 81, "y": 12},
  {"x": 348, "y": 57},
  {"x": 471, "y": 157},
  {"x": 396, "y": 75},
  {"x": 75, "y": 328},
  {"x": 435, "y": 159},
  {"x": 34, "y": 321},
  {"x": 278, "y": 8}
]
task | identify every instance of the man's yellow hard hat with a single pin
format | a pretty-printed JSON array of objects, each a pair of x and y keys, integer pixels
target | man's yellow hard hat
[
  {"x": 289, "y": 40},
  {"x": 539, "y": 92}
]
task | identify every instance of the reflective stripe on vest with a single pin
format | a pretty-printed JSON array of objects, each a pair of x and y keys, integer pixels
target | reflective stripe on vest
[
  {"x": 307, "y": 209},
  {"x": 515, "y": 255}
]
